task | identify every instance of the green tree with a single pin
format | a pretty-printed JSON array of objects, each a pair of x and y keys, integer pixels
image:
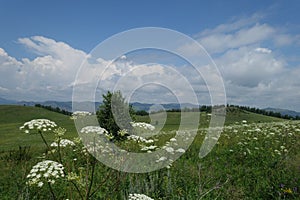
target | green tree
[{"x": 115, "y": 113}]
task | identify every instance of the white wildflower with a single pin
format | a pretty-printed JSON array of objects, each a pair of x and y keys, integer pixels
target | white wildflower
[
  {"x": 152, "y": 147},
  {"x": 142, "y": 125},
  {"x": 138, "y": 197},
  {"x": 180, "y": 150},
  {"x": 137, "y": 138},
  {"x": 45, "y": 171},
  {"x": 169, "y": 149},
  {"x": 94, "y": 129},
  {"x": 277, "y": 151},
  {"x": 40, "y": 184},
  {"x": 38, "y": 124},
  {"x": 161, "y": 159},
  {"x": 78, "y": 114},
  {"x": 63, "y": 143}
]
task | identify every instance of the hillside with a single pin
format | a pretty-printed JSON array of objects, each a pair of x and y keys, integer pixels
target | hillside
[
  {"x": 284, "y": 111},
  {"x": 233, "y": 115},
  {"x": 12, "y": 117}
]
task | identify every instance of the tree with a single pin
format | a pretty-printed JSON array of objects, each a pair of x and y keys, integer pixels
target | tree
[{"x": 115, "y": 113}]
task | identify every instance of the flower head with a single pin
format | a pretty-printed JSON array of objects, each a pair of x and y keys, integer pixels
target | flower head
[
  {"x": 45, "y": 171},
  {"x": 94, "y": 129},
  {"x": 38, "y": 124},
  {"x": 63, "y": 143},
  {"x": 138, "y": 139},
  {"x": 139, "y": 197},
  {"x": 143, "y": 125},
  {"x": 59, "y": 131},
  {"x": 78, "y": 114}
]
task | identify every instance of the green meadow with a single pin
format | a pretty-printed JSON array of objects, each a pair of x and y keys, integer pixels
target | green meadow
[{"x": 256, "y": 157}]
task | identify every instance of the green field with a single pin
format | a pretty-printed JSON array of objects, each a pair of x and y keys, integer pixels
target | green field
[
  {"x": 233, "y": 116},
  {"x": 258, "y": 159},
  {"x": 12, "y": 117}
]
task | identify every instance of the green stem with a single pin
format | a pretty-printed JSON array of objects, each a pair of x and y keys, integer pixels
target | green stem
[
  {"x": 99, "y": 186},
  {"x": 77, "y": 189},
  {"x": 44, "y": 140},
  {"x": 92, "y": 179},
  {"x": 51, "y": 190},
  {"x": 58, "y": 148}
]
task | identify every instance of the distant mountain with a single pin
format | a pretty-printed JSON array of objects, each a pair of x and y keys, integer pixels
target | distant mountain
[
  {"x": 6, "y": 101},
  {"x": 67, "y": 105},
  {"x": 64, "y": 105},
  {"x": 168, "y": 106},
  {"x": 283, "y": 111}
]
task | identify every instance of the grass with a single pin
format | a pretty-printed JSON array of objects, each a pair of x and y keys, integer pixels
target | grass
[
  {"x": 233, "y": 116},
  {"x": 12, "y": 117},
  {"x": 254, "y": 160}
]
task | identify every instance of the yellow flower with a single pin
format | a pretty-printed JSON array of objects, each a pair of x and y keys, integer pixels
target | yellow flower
[{"x": 288, "y": 190}]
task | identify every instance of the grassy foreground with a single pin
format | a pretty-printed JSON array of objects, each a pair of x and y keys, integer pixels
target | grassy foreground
[{"x": 250, "y": 161}]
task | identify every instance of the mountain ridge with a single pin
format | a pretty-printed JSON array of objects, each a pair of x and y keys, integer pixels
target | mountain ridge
[{"x": 67, "y": 105}]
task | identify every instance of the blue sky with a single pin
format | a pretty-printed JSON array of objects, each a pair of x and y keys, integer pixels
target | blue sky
[{"x": 254, "y": 43}]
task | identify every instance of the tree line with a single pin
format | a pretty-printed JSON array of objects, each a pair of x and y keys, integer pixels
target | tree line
[
  {"x": 208, "y": 109},
  {"x": 265, "y": 112},
  {"x": 57, "y": 109}
]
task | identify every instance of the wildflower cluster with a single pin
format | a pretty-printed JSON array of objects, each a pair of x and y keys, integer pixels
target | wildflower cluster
[
  {"x": 45, "y": 171},
  {"x": 148, "y": 148},
  {"x": 59, "y": 131},
  {"x": 78, "y": 114},
  {"x": 170, "y": 148},
  {"x": 38, "y": 124},
  {"x": 275, "y": 136},
  {"x": 63, "y": 143},
  {"x": 98, "y": 146},
  {"x": 137, "y": 138},
  {"x": 139, "y": 197},
  {"x": 94, "y": 129},
  {"x": 143, "y": 125}
]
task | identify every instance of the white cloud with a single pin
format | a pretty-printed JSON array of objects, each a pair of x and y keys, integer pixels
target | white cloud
[
  {"x": 220, "y": 42},
  {"x": 263, "y": 50},
  {"x": 56, "y": 66},
  {"x": 249, "y": 67},
  {"x": 245, "y": 50},
  {"x": 254, "y": 69}
]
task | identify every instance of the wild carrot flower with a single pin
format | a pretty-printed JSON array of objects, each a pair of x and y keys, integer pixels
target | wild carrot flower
[
  {"x": 143, "y": 125},
  {"x": 139, "y": 197},
  {"x": 94, "y": 129},
  {"x": 78, "y": 114},
  {"x": 38, "y": 124},
  {"x": 137, "y": 138},
  {"x": 63, "y": 143},
  {"x": 152, "y": 147},
  {"x": 45, "y": 171},
  {"x": 180, "y": 150}
]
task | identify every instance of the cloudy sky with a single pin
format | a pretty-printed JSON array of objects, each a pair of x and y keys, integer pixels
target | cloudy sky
[{"x": 254, "y": 44}]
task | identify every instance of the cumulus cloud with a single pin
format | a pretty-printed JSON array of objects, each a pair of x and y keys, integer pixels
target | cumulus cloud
[
  {"x": 220, "y": 42},
  {"x": 246, "y": 52},
  {"x": 250, "y": 67},
  {"x": 46, "y": 76},
  {"x": 254, "y": 69},
  {"x": 263, "y": 50}
]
